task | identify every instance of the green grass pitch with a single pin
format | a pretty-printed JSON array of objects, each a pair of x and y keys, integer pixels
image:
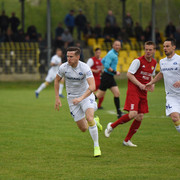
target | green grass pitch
[{"x": 37, "y": 142}]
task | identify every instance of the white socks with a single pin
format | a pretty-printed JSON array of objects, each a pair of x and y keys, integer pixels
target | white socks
[
  {"x": 61, "y": 86},
  {"x": 41, "y": 87},
  {"x": 94, "y": 134},
  {"x": 178, "y": 128}
]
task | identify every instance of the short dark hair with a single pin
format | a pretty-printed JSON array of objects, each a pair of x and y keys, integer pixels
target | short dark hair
[
  {"x": 173, "y": 41},
  {"x": 150, "y": 43},
  {"x": 76, "y": 49},
  {"x": 97, "y": 49}
]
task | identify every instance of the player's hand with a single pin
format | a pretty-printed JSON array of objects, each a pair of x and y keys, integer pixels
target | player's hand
[
  {"x": 142, "y": 86},
  {"x": 150, "y": 87},
  {"x": 177, "y": 84},
  {"x": 118, "y": 73},
  {"x": 57, "y": 104},
  {"x": 76, "y": 100}
]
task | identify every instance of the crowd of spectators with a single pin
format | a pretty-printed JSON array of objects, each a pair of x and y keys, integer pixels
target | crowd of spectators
[{"x": 64, "y": 32}]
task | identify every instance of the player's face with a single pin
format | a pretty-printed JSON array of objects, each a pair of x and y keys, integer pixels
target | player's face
[
  {"x": 72, "y": 58},
  {"x": 149, "y": 51},
  {"x": 168, "y": 48},
  {"x": 59, "y": 53},
  {"x": 98, "y": 53},
  {"x": 117, "y": 46}
]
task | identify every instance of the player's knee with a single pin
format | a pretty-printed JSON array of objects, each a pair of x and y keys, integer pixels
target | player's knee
[
  {"x": 133, "y": 114},
  {"x": 175, "y": 117},
  {"x": 139, "y": 117},
  {"x": 83, "y": 129}
]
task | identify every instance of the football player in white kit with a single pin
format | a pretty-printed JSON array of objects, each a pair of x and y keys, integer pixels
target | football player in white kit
[
  {"x": 56, "y": 61},
  {"x": 80, "y": 85},
  {"x": 170, "y": 71}
]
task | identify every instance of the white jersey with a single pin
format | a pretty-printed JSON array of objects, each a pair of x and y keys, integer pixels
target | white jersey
[
  {"x": 75, "y": 78},
  {"x": 53, "y": 70},
  {"x": 170, "y": 67}
]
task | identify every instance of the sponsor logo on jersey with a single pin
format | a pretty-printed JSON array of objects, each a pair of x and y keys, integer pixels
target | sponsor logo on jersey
[
  {"x": 152, "y": 67},
  {"x": 175, "y": 63}
]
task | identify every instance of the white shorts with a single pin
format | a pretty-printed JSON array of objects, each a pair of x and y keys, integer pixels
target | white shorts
[
  {"x": 172, "y": 104},
  {"x": 50, "y": 77},
  {"x": 78, "y": 111}
]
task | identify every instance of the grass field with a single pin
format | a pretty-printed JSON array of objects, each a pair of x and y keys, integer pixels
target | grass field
[{"x": 37, "y": 142}]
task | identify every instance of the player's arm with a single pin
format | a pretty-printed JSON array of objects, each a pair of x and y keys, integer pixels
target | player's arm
[
  {"x": 157, "y": 78},
  {"x": 90, "y": 89},
  {"x": 132, "y": 70},
  {"x": 133, "y": 79},
  {"x": 56, "y": 88}
]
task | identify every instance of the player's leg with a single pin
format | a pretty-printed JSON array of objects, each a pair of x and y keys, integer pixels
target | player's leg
[
  {"x": 133, "y": 129},
  {"x": 82, "y": 124},
  {"x": 123, "y": 119},
  {"x": 100, "y": 94},
  {"x": 93, "y": 130},
  {"x": 116, "y": 93},
  {"x": 41, "y": 87},
  {"x": 61, "y": 86},
  {"x": 175, "y": 116}
]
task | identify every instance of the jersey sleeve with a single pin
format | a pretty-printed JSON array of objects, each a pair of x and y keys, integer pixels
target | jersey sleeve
[
  {"x": 61, "y": 70},
  {"x": 134, "y": 66},
  {"x": 90, "y": 62},
  {"x": 88, "y": 72}
]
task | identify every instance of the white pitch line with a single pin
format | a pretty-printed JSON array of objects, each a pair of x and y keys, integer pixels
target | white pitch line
[{"x": 145, "y": 116}]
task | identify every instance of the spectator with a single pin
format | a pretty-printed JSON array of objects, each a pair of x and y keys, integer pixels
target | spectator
[
  {"x": 14, "y": 23},
  {"x": 4, "y": 22},
  {"x": 108, "y": 30},
  {"x": 9, "y": 36},
  {"x": 98, "y": 31},
  {"x": 116, "y": 30},
  {"x": 128, "y": 21},
  {"x": 59, "y": 30},
  {"x": 88, "y": 31},
  {"x": 138, "y": 30},
  {"x": 125, "y": 37},
  {"x": 20, "y": 36},
  {"x": 158, "y": 38},
  {"x": 58, "y": 43},
  {"x": 67, "y": 38},
  {"x": 177, "y": 37},
  {"x": 147, "y": 34},
  {"x": 80, "y": 22},
  {"x": 32, "y": 32},
  {"x": 110, "y": 18},
  {"x": 69, "y": 21},
  {"x": 170, "y": 29}
]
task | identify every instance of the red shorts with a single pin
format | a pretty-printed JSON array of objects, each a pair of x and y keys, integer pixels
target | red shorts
[{"x": 134, "y": 102}]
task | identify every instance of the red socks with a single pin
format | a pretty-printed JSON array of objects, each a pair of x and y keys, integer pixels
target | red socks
[
  {"x": 100, "y": 102},
  {"x": 121, "y": 120},
  {"x": 133, "y": 129}
]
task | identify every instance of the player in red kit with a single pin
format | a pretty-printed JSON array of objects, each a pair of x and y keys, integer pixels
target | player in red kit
[
  {"x": 96, "y": 66},
  {"x": 140, "y": 72}
]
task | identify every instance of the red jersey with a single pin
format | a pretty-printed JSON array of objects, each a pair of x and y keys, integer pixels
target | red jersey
[
  {"x": 143, "y": 75},
  {"x": 97, "y": 65}
]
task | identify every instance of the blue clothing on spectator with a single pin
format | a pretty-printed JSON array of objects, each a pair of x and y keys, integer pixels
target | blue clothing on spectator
[
  {"x": 69, "y": 20},
  {"x": 110, "y": 60}
]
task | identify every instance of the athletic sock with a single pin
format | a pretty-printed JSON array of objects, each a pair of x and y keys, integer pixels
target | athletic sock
[
  {"x": 100, "y": 102},
  {"x": 117, "y": 104},
  {"x": 41, "y": 87},
  {"x": 61, "y": 86},
  {"x": 177, "y": 125},
  {"x": 121, "y": 120},
  {"x": 133, "y": 129},
  {"x": 94, "y": 134}
]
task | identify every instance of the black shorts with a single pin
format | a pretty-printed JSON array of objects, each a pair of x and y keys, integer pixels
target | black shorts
[{"x": 107, "y": 81}]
